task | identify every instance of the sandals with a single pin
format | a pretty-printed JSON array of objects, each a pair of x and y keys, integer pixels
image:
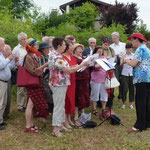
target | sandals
[
  {"x": 95, "y": 112},
  {"x": 64, "y": 129},
  {"x": 31, "y": 129},
  {"x": 78, "y": 123},
  {"x": 57, "y": 133},
  {"x": 36, "y": 128}
]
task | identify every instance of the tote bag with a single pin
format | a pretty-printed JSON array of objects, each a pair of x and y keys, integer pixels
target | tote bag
[{"x": 111, "y": 82}]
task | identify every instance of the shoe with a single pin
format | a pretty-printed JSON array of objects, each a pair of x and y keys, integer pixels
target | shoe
[
  {"x": 64, "y": 129},
  {"x": 3, "y": 124},
  {"x": 131, "y": 107},
  {"x": 105, "y": 113},
  {"x": 57, "y": 133},
  {"x": 123, "y": 106},
  {"x": 132, "y": 129},
  {"x": 31, "y": 129},
  {"x": 95, "y": 112},
  {"x": 2, "y": 127},
  {"x": 22, "y": 110}
]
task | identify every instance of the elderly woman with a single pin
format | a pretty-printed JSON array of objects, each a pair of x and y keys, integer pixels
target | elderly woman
[
  {"x": 141, "y": 79},
  {"x": 44, "y": 49},
  {"x": 36, "y": 95},
  {"x": 82, "y": 99},
  {"x": 70, "y": 96},
  {"x": 59, "y": 80}
]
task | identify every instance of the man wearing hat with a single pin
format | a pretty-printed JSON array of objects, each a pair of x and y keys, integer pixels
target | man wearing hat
[
  {"x": 44, "y": 49},
  {"x": 141, "y": 79}
]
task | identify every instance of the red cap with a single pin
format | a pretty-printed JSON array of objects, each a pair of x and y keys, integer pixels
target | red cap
[{"x": 138, "y": 35}]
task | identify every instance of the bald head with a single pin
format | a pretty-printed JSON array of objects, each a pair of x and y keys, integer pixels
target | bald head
[
  {"x": 2, "y": 44},
  {"x": 6, "y": 51}
]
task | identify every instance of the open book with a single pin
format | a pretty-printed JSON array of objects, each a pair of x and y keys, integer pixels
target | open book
[{"x": 105, "y": 64}]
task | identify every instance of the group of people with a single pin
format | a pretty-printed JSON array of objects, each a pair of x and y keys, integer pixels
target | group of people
[{"x": 64, "y": 90}]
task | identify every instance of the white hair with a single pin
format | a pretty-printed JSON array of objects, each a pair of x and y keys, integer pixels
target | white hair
[
  {"x": 20, "y": 35},
  {"x": 2, "y": 39},
  {"x": 92, "y": 38},
  {"x": 7, "y": 46},
  {"x": 115, "y": 34},
  {"x": 47, "y": 38}
]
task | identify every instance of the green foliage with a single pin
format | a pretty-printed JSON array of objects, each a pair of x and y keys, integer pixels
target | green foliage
[
  {"x": 83, "y": 16},
  {"x": 142, "y": 28},
  {"x": 106, "y": 31},
  {"x": 11, "y": 27}
]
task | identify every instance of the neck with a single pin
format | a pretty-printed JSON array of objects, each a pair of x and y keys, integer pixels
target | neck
[
  {"x": 67, "y": 53},
  {"x": 116, "y": 42}
]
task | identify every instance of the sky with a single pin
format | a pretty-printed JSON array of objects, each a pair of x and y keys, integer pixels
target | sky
[{"x": 143, "y": 5}]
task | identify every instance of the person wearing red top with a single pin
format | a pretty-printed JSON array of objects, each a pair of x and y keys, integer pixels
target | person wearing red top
[{"x": 70, "y": 95}]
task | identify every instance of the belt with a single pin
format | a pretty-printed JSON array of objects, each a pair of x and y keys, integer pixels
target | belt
[{"x": 3, "y": 81}]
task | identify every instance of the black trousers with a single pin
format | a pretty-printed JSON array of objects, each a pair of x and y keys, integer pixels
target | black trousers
[
  {"x": 127, "y": 84},
  {"x": 142, "y": 103}
]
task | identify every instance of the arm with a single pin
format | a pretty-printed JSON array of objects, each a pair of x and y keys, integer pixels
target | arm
[
  {"x": 132, "y": 62},
  {"x": 73, "y": 69}
]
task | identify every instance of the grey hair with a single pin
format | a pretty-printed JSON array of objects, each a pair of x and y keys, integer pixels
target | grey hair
[
  {"x": 2, "y": 39},
  {"x": 92, "y": 38},
  {"x": 20, "y": 35},
  {"x": 47, "y": 38},
  {"x": 115, "y": 34}
]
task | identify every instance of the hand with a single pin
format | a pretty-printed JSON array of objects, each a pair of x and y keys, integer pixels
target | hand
[
  {"x": 123, "y": 56},
  {"x": 11, "y": 57},
  {"x": 16, "y": 59}
]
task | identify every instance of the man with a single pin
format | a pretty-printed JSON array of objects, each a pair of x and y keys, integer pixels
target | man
[
  {"x": 119, "y": 48},
  {"x": 20, "y": 51},
  {"x": 7, "y": 52},
  {"x": 5, "y": 75},
  {"x": 89, "y": 50}
]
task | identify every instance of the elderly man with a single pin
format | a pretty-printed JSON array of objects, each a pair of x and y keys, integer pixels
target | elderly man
[
  {"x": 49, "y": 40},
  {"x": 7, "y": 52},
  {"x": 5, "y": 75},
  {"x": 89, "y": 50},
  {"x": 119, "y": 48},
  {"x": 20, "y": 51}
]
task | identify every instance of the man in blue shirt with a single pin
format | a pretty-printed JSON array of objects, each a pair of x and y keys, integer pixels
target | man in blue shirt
[{"x": 5, "y": 75}]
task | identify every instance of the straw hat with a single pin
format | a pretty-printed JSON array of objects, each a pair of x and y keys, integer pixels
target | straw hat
[{"x": 77, "y": 45}]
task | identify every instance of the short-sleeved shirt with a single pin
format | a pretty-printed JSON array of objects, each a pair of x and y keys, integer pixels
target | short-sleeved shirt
[
  {"x": 56, "y": 64},
  {"x": 141, "y": 71}
]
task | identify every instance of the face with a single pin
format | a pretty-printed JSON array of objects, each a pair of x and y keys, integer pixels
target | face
[
  {"x": 61, "y": 48},
  {"x": 115, "y": 38},
  {"x": 78, "y": 51},
  {"x": 23, "y": 40},
  {"x": 100, "y": 51},
  {"x": 35, "y": 45},
  {"x": 134, "y": 42},
  {"x": 92, "y": 43},
  {"x": 46, "y": 51},
  {"x": 129, "y": 51},
  {"x": 106, "y": 45},
  {"x": 70, "y": 50},
  {"x": 2, "y": 45}
]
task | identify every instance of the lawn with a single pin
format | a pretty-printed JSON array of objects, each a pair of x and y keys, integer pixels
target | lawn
[{"x": 104, "y": 137}]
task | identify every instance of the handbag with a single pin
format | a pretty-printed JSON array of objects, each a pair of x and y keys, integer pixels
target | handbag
[
  {"x": 25, "y": 79},
  {"x": 111, "y": 82}
]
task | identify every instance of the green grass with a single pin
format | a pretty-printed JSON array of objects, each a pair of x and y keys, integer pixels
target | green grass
[{"x": 104, "y": 137}]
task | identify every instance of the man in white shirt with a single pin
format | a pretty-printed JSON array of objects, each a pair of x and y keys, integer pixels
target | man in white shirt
[
  {"x": 119, "y": 48},
  {"x": 5, "y": 75},
  {"x": 20, "y": 51}
]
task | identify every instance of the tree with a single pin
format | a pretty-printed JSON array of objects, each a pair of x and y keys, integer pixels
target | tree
[
  {"x": 120, "y": 14},
  {"x": 83, "y": 16},
  {"x": 19, "y": 8}
]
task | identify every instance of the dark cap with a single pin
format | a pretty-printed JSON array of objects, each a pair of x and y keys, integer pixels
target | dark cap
[
  {"x": 44, "y": 45},
  {"x": 106, "y": 40}
]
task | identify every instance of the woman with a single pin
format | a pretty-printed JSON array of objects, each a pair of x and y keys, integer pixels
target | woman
[
  {"x": 82, "y": 99},
  {"x": 44, "y": 49},
  {"x": 98, "y": 78},
  {"x": 141, "y": 79},
  {"x": 70, "y": 95},
  {"x": 59, "y": 80},
  {"x": 108, "y": 53},
  {"x": 36, "y": 95}
]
